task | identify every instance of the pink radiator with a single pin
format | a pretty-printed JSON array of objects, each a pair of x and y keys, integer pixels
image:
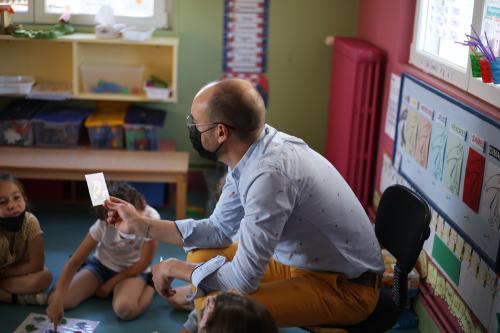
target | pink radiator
[{"x": 353, "y": 113}]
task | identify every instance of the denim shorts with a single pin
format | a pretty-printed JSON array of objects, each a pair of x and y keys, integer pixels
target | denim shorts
[{"x": 104, "y": 274}]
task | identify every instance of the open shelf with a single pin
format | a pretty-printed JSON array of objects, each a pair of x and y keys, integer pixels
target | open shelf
[{"x": 59, "y": 60}]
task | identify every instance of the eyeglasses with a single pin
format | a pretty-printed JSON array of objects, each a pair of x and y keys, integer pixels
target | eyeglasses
[{"x": 190, "y": 123}]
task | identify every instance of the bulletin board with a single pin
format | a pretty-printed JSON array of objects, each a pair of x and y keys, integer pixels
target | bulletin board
[{"x": 451, "y": 154}]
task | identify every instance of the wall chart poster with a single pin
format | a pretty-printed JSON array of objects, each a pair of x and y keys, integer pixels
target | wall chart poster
[
  {"x": 245, "y": 42},
  {"x": 450, "y": 153}
]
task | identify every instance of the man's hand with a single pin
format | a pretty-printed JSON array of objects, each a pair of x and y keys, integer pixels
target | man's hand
[
  {"x": 166, "y": 271},
  {"x": 124, "y": 217}
]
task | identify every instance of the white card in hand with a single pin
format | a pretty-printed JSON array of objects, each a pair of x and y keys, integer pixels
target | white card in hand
[{"x": 97, "y": 188}]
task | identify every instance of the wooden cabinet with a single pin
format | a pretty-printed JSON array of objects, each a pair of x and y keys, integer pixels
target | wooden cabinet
[{"x": 60, "y": 60}]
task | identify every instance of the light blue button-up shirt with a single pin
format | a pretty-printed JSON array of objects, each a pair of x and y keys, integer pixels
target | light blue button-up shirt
[{"x": 287, "y": 202}]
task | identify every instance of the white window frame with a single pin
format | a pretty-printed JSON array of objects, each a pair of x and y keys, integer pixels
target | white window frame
[
  {"x": 26, "y": 17},
  {"x": 36, "y": 14},
  {"x": 448, "y": 71}
]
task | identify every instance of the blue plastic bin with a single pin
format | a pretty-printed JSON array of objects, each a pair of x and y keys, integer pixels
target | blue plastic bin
[
  {"x": 16, "y": 126},
  {"x": 154, "y": 193},
  {"x": 59, "y": 126},
  {"x": 141, "y": 127}
]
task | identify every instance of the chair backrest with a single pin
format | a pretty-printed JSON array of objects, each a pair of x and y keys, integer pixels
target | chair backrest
[{"x": 402, "y": 224}]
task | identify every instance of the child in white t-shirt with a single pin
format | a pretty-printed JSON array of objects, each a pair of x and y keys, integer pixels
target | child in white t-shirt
[{"x": 119, "y": 266}]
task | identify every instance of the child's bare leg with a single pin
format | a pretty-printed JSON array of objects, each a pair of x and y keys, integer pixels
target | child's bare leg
[
  {"x": 27, "y": 284},
  {"x": 179, "y": 300},
  {"x": 83, "y": 285},
  {"x": 131, "y": 297}
]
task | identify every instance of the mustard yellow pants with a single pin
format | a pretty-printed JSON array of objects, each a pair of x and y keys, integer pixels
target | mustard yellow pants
[{"x": 299, "y": 297}]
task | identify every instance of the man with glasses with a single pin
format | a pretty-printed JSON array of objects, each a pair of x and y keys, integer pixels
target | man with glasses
[{"x": 306, "y": 248}]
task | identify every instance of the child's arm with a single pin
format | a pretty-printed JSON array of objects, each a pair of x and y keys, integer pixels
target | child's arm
[
  {"x": 147, "y": 253},
  {"x": 33, "y": 260},
  {"x": 55, "y": 310}
]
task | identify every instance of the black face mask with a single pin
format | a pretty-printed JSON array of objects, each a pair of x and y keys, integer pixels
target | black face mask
[
  {"x": 195, "y": 137},
  {"x": 13, "y": 223}
]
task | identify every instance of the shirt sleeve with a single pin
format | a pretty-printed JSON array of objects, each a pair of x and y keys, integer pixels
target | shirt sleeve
[
  {"x": 270, "y": 199},
  {"x": 221, "y": 225},
  {"x": 96, "y": 231}
]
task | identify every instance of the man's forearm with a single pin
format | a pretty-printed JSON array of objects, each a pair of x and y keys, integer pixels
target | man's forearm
[{"x": 163, "y": 230}]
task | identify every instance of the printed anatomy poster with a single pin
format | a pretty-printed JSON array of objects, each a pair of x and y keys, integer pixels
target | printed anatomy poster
[
  {"x": 39, "y": 323},
  {"x": 473, "y": 181},
  {"x": 410, "y": 132},
  {"x": 490, "y": 198},
  {"x": 423, "y": 138},
  {"x": 453, "y": 163},
  {"x": 436, "y": 151}
]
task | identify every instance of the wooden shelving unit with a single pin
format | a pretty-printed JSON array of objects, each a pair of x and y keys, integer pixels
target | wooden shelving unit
[{"x": 59, "y": 60}]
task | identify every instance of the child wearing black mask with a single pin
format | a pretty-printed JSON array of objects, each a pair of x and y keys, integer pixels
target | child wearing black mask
[{"x": 23, "y": 276}]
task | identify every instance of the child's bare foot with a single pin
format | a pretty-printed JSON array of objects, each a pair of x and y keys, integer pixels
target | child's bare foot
[{"x": 179, "y": 300}]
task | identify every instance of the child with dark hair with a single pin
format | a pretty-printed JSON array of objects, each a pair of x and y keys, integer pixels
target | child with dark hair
[
  {"x": 120, "y": 265},
  {"x": 231, "y": 312},
  {"x": 23, "y": 276}
]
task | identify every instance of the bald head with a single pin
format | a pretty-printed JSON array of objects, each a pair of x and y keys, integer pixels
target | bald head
[{"x": 234, "y": 102}]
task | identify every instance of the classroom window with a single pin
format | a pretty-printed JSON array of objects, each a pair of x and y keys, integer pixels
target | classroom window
[
  {"x": 23, "y": 9},
  {"x": 439, "y": 24},
  {"x": 138, "y": 12},
  {"x": 20, "y": 6}
]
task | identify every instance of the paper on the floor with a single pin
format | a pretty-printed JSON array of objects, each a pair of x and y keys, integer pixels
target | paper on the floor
[{"x": 40, "y": 323}]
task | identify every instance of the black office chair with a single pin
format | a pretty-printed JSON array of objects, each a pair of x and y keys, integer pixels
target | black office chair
[{"x": 401, "y": 226}]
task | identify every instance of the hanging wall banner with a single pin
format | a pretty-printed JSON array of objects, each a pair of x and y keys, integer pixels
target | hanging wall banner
[{"x": 245, "y": 42}]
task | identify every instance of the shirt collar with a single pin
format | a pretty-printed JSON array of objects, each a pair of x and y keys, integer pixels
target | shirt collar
[{"x": 240, "y": 166}]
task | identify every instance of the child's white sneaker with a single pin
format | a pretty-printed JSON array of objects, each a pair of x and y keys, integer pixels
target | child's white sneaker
[{"x": 33, "y": 299}]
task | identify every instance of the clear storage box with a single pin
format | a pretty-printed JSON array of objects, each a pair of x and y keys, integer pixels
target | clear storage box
[
  {"x": 106, "y": 129},
  {"x": 141, "y": 127},
  {"x": 59, "y": 127},
  {"x": 16, "y": 127},
  {"x": 112, "y": 79},
  {"x": 16, "y": 85},
  {"x": 154, "y": 93}
]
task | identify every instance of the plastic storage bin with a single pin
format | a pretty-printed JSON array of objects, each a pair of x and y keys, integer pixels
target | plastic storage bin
[
  {"x": 16, "y": 127},
  {"x": 112, "y": 79},
  {"x": 141, "y": 127},
  {"x": 17, "y": 85},
  {"x": 59, "y": 127},
  {"x": 153, "y": 192},
  {"x": 160, "y": 94},
  {"x": 106, "y": 129}
]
